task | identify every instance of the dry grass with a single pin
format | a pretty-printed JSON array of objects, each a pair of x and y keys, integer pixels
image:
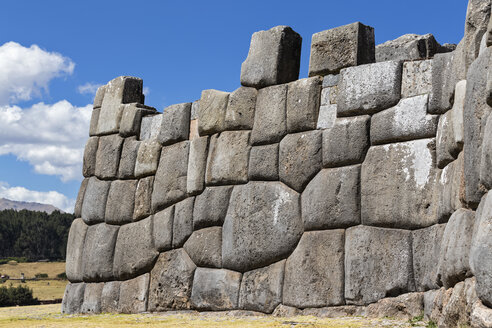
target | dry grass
[
  {"x": 43, "y": 289},
  {"x": 30, "y": 269}
]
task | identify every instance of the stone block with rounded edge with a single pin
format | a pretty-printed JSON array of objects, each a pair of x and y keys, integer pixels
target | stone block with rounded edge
[
  {"x": 121, "y": 90},
  {"x": 332, "y": 199},
  {"x": 92, "y": 298},
  {"x": 215, "y": 289},
  {"x": 211, "y": 112},
  {"x": 73, "y": 298},
  {"x": 99, "y": 247},
  {"x": 171, "y": 281},
  {"x": 89, "y": 162},
  {"x": 300, "y": 158},
  {"x": 274, "y": 57},
  {"x": 408, "y": 120},
  {"x": 303, "y": 100},
  {"x": 108, "y": 156},
  {"x": 183, "y": 221},
  {"x": 121, "y": 201},
  {"x": 205, "y": 247},
  {"x": 378, "y": 264},
  {"x": 77, "y": 211},
  {"x": 197, "y": 164},
  {"x": 93, "y": 122},
  {"x": 163, "y": 229},
  {"x": 344, "y": 46},
  {"x": 408, "y": 47},
  {"x": 131, "y": 118},
  {"x": 346, "y": 142},
  {"x": 416, "y": 78},
  {"x": 134, "y": 253},
  {"x": 477, "y": 19},
  {"x": 261, "y": 289},
  {"x": 211, "y": 207},
  {"x": 98, "y": 98},
  {"x": 449, "y": 188},
  {"x": 150, "y": 127},
  {"x": 489, "y": 33},
  {"x": 486, "y": 155},
  {"x": 270, "y": 124},
  {"x": 143, "y": 196},
  {"x": 397, "y": 185},
  {"x": 227, "y": 161},
  {"x": 175, "y": 125},
  {"x": 134, "y": 294},
  {"x": 426, "y": 245},
  {"x": 327, "y": 116},
  {"x": 95, "y": 196},
  {"x": 75, "y": 248},
  {"x": 442, "y": 84},
  {"x": 314, "y": 272},
  {"x": 240, "y": 112},
  {"x": 147, "y": 158},
  {"x": 368, "y": 89},
  {"x": 170, "y": 178},
  {"x": 262, "y": 226},
  {"x": 263, "y": 163},
  {"x": 110, "y": 297},
  {"x": 129, "y": 152}
]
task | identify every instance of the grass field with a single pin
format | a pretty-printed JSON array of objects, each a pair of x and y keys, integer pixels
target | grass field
[
  {"x": 49, "y": 316},
  {"x": 44, "y": 290},
  {"x": 30, "y": 269}
]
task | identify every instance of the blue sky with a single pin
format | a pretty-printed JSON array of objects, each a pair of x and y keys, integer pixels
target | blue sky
[{"x": 54, "y": 53}]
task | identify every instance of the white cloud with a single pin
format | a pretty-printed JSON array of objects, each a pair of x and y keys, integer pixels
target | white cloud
[
  {"x": 89, "y": 88},
  {"x": 25, "y": 195},
  {"x": 25, "y": 72},
  {"x": 146, "y": 91}
]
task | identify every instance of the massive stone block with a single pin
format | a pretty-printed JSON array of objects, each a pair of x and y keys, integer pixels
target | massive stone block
[
  {"x": 99, "y": 247},
  {"x": 416, "y": 78},
  {"x": 134, "y": 253},
  {"x": 108, "y": 156},
  {"x": 134, "y": 295},
  {"x": 263, "y": 163},
  {"x": 93, "y": 123},
  {"x": 240, "y": 112},
  {"x": 215, "y": 289},
  {"x": 344, "y": 46},
  {"x": 263, "y": 225},
  {"x": 332, "y": 199},
  {"x": 211, "y": 207},
  {"x": 77, "y": 211},
  {"x": 408, "y": 120},
  {"x": 477, "y": 18},
  {"x": 98, "y": 98},
  {"x": 163, "y": 229},
  {"x": 300, "y": 158},
  {"x": 450, "y": 186},
  {"x": 129, "y": 152},
  {"x": 303, "y": 100},
  {"x": 197, "y": 164},
  {"x": 397, "y": 182},
  {"x": 261, "y": 289},
  {"x": 95, "y": 196},
  {"x": 408, "y": 47},
  {"x": 274, "y": 57},
  {"x": 170, "y": 178},
  {"x": 121, "y": 201},
  {"x": 89, "y": 162},
  {"x": 73, "y": 298},
  {"x": 132, "y": 118},
  {"x": 150, "y": 127},
  {"x": 327, "y": 116},
  {"x": 171, "y": 280},
  {"x": 378, "y": 263},
  {"x": 443, "y": 81},
  {"x": 211, "y": 112},
  {"x": 147, "y": 158},
  {"x": 143, "y": 195},
  {"x": 183, "y": 221},
  {"x": 369, "y": 88},
  {"x": 346, "y": 142},
  {"x": 92, "y": 298},
  {"x": 110, "y": 297},
  {"x": 175, "y": 125},
  {"x": 486, "y": 156},
  {"x": 205, "y": 247},
  {"x": 75, "y": 248},
  {"x": 227, "y": 161},
  {"x": 314, "y": 272},
  {"x": 270, "y": 124}
]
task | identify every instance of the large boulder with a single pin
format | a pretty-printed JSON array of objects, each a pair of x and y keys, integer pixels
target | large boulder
[
  {"x": 121, "y": 201},
  {"x": 204, "y": 247},
  {"x": 110, "y": 297},
  {"x": 75, "y": 248},
  {"x": 263, "y": 162},
  {"x": 211, "y": 112},
  {"x": 89, "y": 161},
  {"x": 175, "y": 125},
  {"x": 211, "y": 207},
  {"x": 131, "y": 118},
  {"x": 240, "y": 112},
  {"x": 163, "y": 229},
  {"x": 95, "y": 196},
  {"x": 134, "y": 294},
  {"x": 129, "y": 153},
  {"x": 150, "y": 127},
  {"x": 215, "y": 289},
  {"x": 147, "y": 158},
  {"x": 303, "y": 99},
  {"x": 183, "y": 221},
  {"x": 416, "y": 78},
  {"x": 99, "y": 247},
  {"x": 108, "y": 156},
  {"x": 92, "y": 298},
  {"x": 73, "y": 298},
  {"x": 450, "y": 189},
  {"x": 408, "y": 47}
]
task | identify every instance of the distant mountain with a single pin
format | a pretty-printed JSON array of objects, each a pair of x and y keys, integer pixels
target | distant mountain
[{"x": 6, "y": 204}]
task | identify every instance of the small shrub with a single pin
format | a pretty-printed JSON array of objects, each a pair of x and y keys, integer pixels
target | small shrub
[
  {"x": 62, "y": 276},
  {"x": 431, "y": 324},
  {"x": 20, "y": 295},
  {"x": 41, "y": 275}
]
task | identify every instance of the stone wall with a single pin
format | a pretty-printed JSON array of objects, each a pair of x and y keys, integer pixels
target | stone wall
[{"x": 364, "y": 182}]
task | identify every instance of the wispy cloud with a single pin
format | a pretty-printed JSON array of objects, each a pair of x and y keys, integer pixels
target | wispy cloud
[
  {"x": 89, "y": 88},
  {"x": 146, "y": 91}
]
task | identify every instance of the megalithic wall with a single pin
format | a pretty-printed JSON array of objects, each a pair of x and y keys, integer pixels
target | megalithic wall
[{"x": 366, "y": 181}]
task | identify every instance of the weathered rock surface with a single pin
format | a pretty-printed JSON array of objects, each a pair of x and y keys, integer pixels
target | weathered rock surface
[
  {"x": 73, "y": 298},
  {"x": 416, "y": 78},
  {"x": 93, "y": 123},
  {"x": 303, "y": 100},
  {"x": 98, "y": 98},
  {"x": 211, "y": 112},
  {"x": 175, "y": 125},
  {"x": 77, "y": 211},
  {"x": 406, "y": 306},
  {"x": 197, "y": 164},
  {"x": 147, "y": 158},
  {"x": 450, "y": 189},
  {"x": 92, "y": 298},
  {"x": 89, "y": 162},
  {"x": 215, "y": 289},
  {"x": 99, "y": 247},
  {"x": 150, "y": 127},
  {"x": 121, "y": 201},
  {"x": 314, "y": 271},
  {"x": 132, "y": 118},
  {"x": 108, "y": 156},
  {"x": 327, "y": 116},
  {"x": 163, "y": 229},
  {"x": 183, "y": 221},
  {"x": 263, "y": 225},
  {"x": 408, "y": 47},
  {"x": 477, "y": 18},
  {"x": 240, "y": 112},
  {"x": 75, "y": 247},
  {"x": 110, "y": 297},
  {"x": 211, "y": 207},
  {"x": 143, "y": 196},
  {"x": 486, "y": 156},
  {"x": 263, "y": 163},
  {"x": 129, "y": 152},
  {"x": 481, "y": 316},
  {"x": 134, "y": 295},
  {"x": 94, "y": 205},
  {"x": 205, "y": 247}
]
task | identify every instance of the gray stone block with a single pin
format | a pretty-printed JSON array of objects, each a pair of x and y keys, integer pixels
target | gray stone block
[
  {"x": 205, "y": 247},
  {"x": 453, "y": 265},
  {"x": 426, "y": 244},
  {"x": 408, "y": 120},
  {"x": 486, "y": 156},
  {"x": 75, "y": 247},
  {"x": 314, "y": 271},
  {"x": 73, "y": 298},
  {"x": 274, "y": 57},
  {"x": 489, "y": 33},
  {"x": 131, "y": 118},
  {"x": 89, "y": 162},
  {"x": 92, "y": 298},
  {"x": 147, "y": 158},
  {"x": 378, "y": 264},
  {"x": 227, "y": 161},
  {"x": 332, "y": 199},
  {"x": 261, "y": 289},
  {"x": 211, "y": 207},
  {"x": 215, "y": 289},
  {"x": 94, "y": 121},
  {"x": 325, "y": 97},
  {"x": 197, "y": 164},
  {"x": 183, "y": 221},
  {"x": 263, "y": 163},
  {"x": 134, "y": 295},
  {"x": 408, "y": 47},
  {"x": 94, "y": 205},
  {"x": 150, "y": 127},
  {"x": 171, "y": 281},
  {"x": 262, "y": 226},
  {"x": 327, "y": 116},
  {"x": 134, "y": 253},
  {"x": 212, "y": 110},
  {"x": 416, "y": 78},
  {"x": 442, "y": 83},
  {"x": 143, "y": 196},
  {"x": 129, "y": 152},
  {"x": 163, "y": 229},
  {"x": 300, "y": 158},
  {"x": 240, "y": 112},
  {"x": 194, "y": 110},
  {"x": 98, "y": 98},
  {"x": 121, "y": 201},
  {"x": 108, "y": 156},
  {"x": 477, "y": 19},
  {"x": 303, "y": 100},
  {"x": 344, "y": 46},
  {"x": 110, "y": 297},
  {"x": 397, "y": 185},
  {"x": 77, "y": 211},
  {"x": 175, "y": 125},
  {"x": 368, "y": 89},
  {"x": 270, "y": 124},
  {"x": 347, "y": 142},
  {"x": 330, "y": 80},
  {"x": 170, "y": 179},
  {"x": 450, "y": 186},
  {"x": 99, "y": 247}
]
